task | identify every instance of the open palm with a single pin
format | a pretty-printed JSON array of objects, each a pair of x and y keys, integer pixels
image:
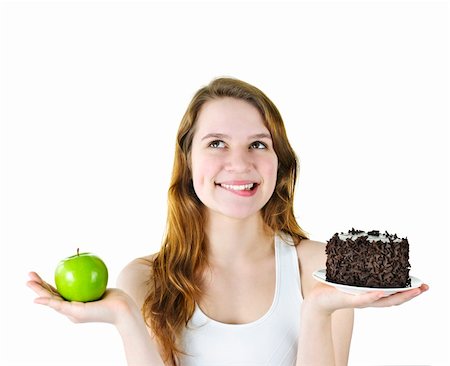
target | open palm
[
  {"x": 330, "y": 299},
  {"x": 107, "y": 309}
]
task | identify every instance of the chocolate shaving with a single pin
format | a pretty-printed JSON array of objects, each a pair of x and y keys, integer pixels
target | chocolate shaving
[{"x": 357, "y": 261}]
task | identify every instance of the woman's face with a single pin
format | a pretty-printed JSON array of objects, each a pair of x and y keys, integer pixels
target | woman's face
[{"x": 234, "y": 166}]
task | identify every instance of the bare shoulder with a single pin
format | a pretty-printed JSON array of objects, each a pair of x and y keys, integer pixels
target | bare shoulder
[
  {"x": 134, "y": 278},
  {"x": 311, "y": 257},
  {"x": 311, "y": 254}
]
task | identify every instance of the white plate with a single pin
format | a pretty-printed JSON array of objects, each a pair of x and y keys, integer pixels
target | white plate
[{"x": 321, "y": 277}]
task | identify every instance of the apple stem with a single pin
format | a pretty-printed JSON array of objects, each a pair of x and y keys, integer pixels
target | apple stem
[{"x": 78, "y": 252}]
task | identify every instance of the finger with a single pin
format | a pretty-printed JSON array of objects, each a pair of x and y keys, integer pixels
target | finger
[
  {"x": 75, "y": 311},
  {"x": 37, "y": 288},
  {"x": 397, "y": 298},
  {"x": 42, "y": 289},
  {"x": 56, "y": 303},
  {"x": 50, "y": 288},
  {"x": 34, "y": 277}
]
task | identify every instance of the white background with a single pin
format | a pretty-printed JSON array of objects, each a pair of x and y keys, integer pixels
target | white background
[{"x": 91, "y": 97}]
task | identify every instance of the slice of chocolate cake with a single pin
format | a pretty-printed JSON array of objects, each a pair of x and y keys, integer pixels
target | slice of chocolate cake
[{"x": 369, "y": 259}]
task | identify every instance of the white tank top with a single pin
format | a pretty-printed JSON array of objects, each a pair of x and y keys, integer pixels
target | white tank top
[{"x": 270, "y": 341}]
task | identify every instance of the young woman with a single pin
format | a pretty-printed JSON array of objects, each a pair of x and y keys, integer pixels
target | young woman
[{"x": 231, "y": 284}]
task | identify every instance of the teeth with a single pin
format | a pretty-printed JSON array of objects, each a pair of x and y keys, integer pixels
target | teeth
[{"x": 243, "y": 187}]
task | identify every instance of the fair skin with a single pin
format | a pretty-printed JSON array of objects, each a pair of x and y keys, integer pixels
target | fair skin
[{"x": 232, "y": 152}]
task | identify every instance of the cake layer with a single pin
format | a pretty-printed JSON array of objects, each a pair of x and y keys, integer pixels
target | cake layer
[{"x": 368, "y": 259}]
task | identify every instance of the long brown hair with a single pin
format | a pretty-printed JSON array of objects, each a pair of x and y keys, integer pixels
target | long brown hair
[{"x": 177, "y": 267}]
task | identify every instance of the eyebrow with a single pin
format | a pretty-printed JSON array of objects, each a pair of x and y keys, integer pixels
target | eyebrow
[{"x": 224, "y": 136}]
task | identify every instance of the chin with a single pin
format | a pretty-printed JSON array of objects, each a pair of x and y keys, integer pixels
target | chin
[{"x": 237, "y": 214}]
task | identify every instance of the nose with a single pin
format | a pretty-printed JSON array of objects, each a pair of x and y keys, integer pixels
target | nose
[{"x": 239, "y": 161}]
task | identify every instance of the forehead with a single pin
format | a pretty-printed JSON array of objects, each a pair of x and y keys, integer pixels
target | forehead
[{"x": 230, "y": 115}]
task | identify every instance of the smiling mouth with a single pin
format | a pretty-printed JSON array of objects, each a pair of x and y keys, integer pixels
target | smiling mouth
[{"x": 238, "y": 187}]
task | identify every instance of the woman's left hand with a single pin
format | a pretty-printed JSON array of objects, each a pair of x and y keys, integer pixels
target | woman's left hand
[{"x": 329, "y": 299}]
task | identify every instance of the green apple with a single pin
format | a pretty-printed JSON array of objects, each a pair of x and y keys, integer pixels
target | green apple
[{"x": 82, "y": 277}]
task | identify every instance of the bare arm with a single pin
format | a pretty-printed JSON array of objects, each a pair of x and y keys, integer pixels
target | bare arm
[
  {"x": 140, "y": 348},
  {"x": 315, "y": 343},
  {"x": 116, "y": 307},
  {"x": 327, "y": 314},
  {"x": 133, "y": 280},
  {"x": 338, "y": 325}
]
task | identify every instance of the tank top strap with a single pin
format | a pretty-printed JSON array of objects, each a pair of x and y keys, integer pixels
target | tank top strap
[{"x": 287, "y": 262}]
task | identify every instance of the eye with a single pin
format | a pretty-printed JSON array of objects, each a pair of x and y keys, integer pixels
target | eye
[
  {"x": 258, "y": 145},
  {"x": 217, "y": 144}
]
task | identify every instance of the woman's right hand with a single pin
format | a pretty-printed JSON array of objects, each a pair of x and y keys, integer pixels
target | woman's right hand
[
  {"x": 115, "y": 307},
  {"x": 108, "y": 309}
]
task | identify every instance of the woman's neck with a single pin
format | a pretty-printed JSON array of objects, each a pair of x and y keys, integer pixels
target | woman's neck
[{"x": 231, "y": 239}]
